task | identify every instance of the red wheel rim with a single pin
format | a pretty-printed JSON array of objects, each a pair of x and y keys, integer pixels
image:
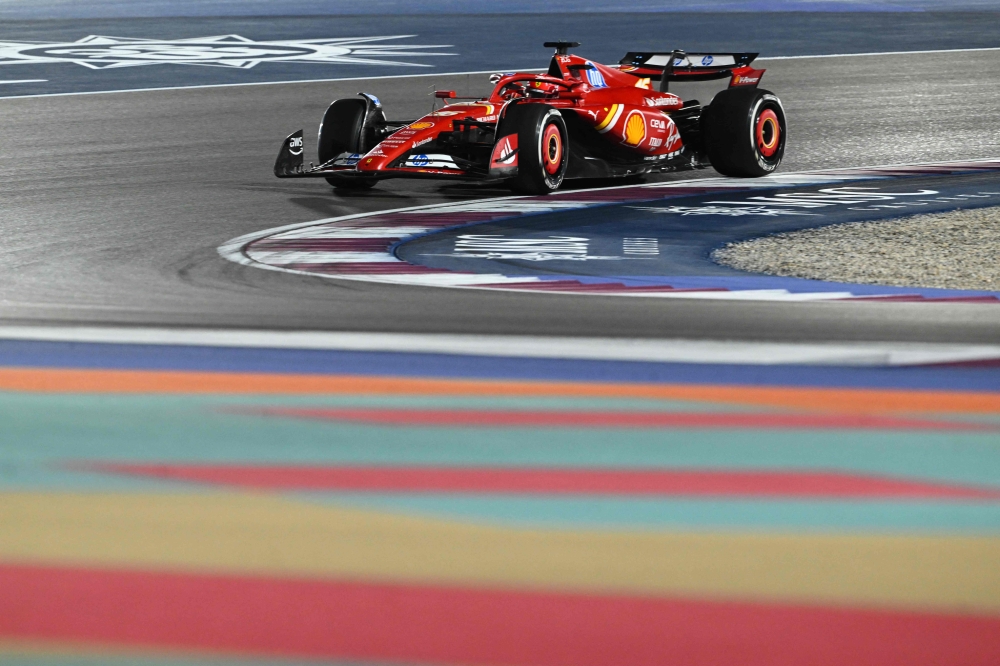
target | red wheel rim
[
  {"x": 552, "y": 149},
  {"x": 768, "y": 133}
]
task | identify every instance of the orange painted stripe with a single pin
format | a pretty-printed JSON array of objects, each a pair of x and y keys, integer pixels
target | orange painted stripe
[{"x": 865, "y": 401}]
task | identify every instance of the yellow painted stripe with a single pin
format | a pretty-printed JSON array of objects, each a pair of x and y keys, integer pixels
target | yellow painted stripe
[
  {"x": 843, "y": 400},
  {"x": 267, "y": 535},
  {"x": 612, "y": 116}
]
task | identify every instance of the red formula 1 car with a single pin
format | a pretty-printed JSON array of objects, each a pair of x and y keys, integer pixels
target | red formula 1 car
[{"x": 579, "y": 120}]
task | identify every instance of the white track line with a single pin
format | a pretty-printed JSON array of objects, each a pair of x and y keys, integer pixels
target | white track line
[
  {"x": 485, "y": 71},
  {"x": 254, "y": 83},
  {"x": 602, "y": 349}
]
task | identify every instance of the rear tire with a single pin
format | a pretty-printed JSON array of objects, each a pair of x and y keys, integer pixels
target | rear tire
[
  {"x": 745, "y": 132},
  {"x": 343, "y": 131},
  {"x": 543, "y": 147}
]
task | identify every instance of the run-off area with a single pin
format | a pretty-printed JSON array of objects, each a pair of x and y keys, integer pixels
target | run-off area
[{"x": 671, "y": 240}]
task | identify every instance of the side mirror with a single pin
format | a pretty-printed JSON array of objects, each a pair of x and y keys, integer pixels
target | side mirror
[{"x": 444, "y": 94}]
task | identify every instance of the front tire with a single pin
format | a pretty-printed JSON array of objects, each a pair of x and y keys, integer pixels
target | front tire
[
  {"x": 543, "y": 147},
  {"x": 343, "y": 130},
  {"x": 745, "y": 132}
]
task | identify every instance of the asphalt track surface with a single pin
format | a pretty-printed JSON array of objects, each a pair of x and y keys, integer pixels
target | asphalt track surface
[
  {"x": 48, "y": 9},
  {"x": 505, "y": 42},
  {"x": 114, "y": 206}
]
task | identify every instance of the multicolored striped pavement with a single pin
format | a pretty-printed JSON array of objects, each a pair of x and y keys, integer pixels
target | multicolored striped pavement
[{"x": 203, "y": 504}]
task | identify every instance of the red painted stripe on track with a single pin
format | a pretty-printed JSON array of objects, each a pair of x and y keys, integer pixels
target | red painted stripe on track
[
  {"x": 578, "y": 419},
  {"x": 712, "y": 483},
  {"x": 419, "y": 624}
]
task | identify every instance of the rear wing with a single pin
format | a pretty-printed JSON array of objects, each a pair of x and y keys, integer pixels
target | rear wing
[{"x": 682, "y": 66}]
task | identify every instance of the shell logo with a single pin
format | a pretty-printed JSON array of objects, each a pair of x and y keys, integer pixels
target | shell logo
[
  {"x": 420, "y": 126},
  {"x": 635, "y": 129}
]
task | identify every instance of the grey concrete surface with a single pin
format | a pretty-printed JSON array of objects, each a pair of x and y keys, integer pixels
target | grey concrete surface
[{"x": 111, "y": 207}]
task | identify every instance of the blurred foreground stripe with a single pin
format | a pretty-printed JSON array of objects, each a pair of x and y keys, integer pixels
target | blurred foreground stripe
[
  {"x": 667, "y": 482},
  {"x": 835, "y": 400},
  {"x": 251, "y": 533},
  {"x": 354, "y": 620}
]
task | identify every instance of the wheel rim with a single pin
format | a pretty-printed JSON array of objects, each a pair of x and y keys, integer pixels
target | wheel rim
[
  {"x": 768, "y": 133},
  {"x": 552, "y": 149}
]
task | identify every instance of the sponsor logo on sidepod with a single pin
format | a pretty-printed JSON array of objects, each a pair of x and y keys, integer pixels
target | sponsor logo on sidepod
[
  {"x": 613, "y": 113},
  {"x": 595, "y": 77},
  {"x": 662, "y": 101},
  {"x": 419, "y": 160},
  {"x": 421, "y": 125},
  {"x": 635, "y": 129}
]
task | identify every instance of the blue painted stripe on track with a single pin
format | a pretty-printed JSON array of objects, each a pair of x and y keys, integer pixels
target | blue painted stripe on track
[{"x": 16, "y": 353}]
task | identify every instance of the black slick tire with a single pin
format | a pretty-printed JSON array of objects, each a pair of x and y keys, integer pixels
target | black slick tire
[
  {"x": 343, "y": 131},
  {"x": 744, "y": 131},
  {"x": 542, "y": 147}
]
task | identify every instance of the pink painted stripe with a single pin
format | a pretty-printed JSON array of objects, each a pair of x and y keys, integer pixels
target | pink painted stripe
[
  {"x": 963, "y": 299},
  {"x": 663, "y": 483},
  {"x": 574, "y": 286},
  {"x": 345, "y": 621}
]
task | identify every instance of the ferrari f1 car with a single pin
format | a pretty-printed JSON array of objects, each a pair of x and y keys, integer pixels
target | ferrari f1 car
[{"x": 581, "y": 119}]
